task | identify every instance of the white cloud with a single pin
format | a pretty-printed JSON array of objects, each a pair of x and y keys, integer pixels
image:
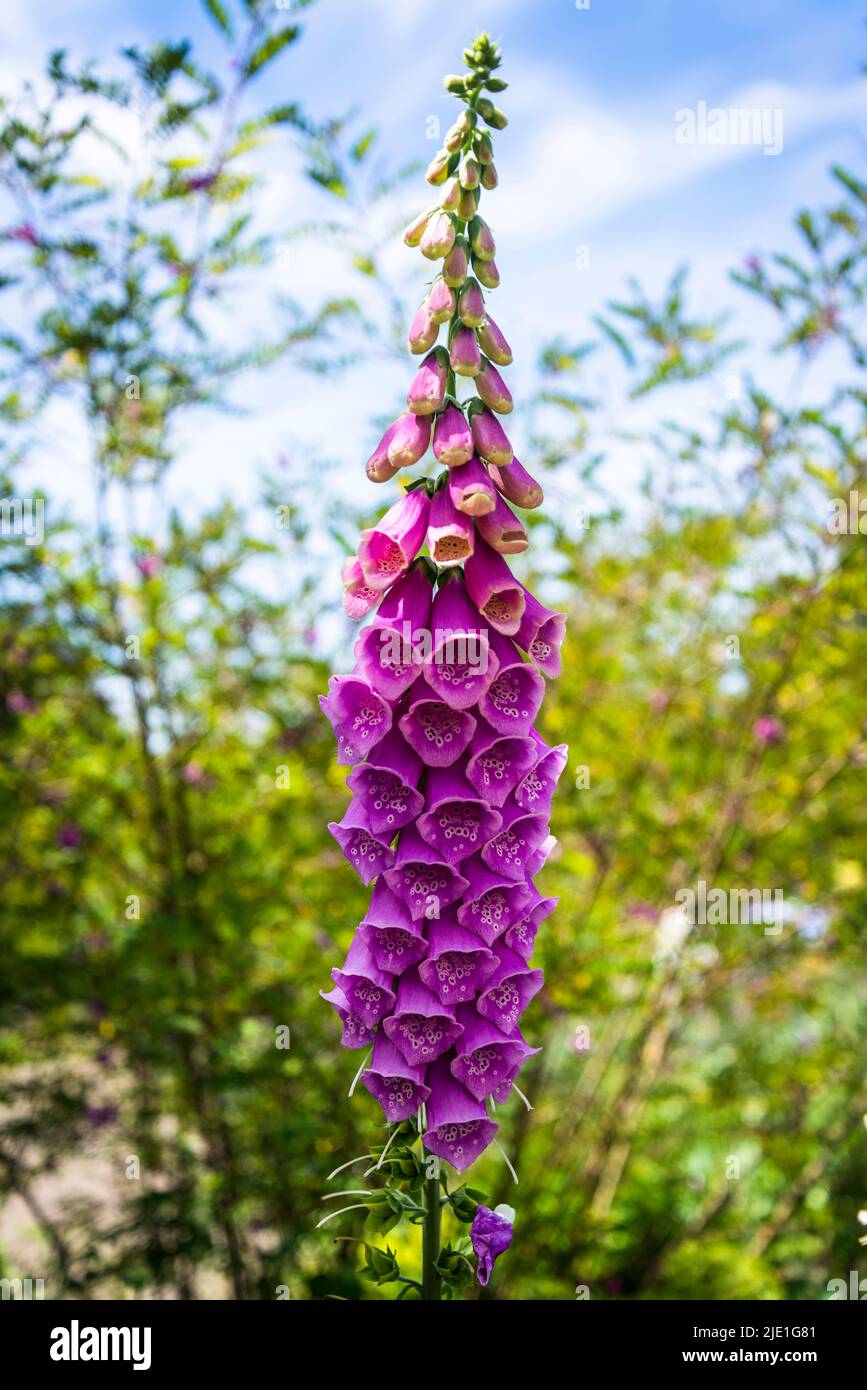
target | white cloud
[{"x": 590, "y": 161}]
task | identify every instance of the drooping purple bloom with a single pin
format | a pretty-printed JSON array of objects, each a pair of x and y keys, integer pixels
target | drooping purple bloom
[
  {"x": 541, "y": 635},
  {"x": 520, "y": 937},
  {"x": 379, "y": 467},
  {"x": 457, "y": 822},
  {"x": 438, "y": 237},
  {"x": 492, "y": 903},
  {"x": 438, "y": 733},
  {"x": 486, "y": 272},
  {"x": 491, "y": 1236},
  {"x": 461, "y": 664},
  {"x": 356, "y": 1033},
  {"x": 456, "y": 263},
  {"x": 510, "y": 851},
  {"x": 498, "y": 762},
  {"x": 366, "y": 988},
  {"x": 368, "y": 855},
  {"x": 487, "y": 1060},
  {"x": 358, "y": 714},
  {"x": 512, "y": 700},
  {"x": 458, "y": 1125},
  {"x": 538, "y": 785},
  {"x": 492, "y": 388},
  {"x": 490, "y": 438},
  {"x": 387, "y": 550},
  {"x": 387, "y": 652},
  {"x": 386, "y": 785},
  {"x": 457, "y": 965},
  {"x": 450, "y": 533},
  {"x": 420, "y": 1027},
  {"x": 499, "y": 597},
  {"x": 359, "y": 597},
  {"x": 471, "y": 304},
  {"x": 390, "y": 1079},
  {"x": 394, "y": 938},
  {"x": 511, "y": 988},
  {"x": 420, "y": 877}
]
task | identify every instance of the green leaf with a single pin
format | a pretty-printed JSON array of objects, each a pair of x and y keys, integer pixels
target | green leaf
[
  {"x": 219, "y": 15},
  {"x": 274, "y": 44},
  {"x": 362, "y": 145}
]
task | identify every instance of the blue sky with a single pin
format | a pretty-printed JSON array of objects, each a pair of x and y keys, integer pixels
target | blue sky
[{"x": 589, "y": 159}]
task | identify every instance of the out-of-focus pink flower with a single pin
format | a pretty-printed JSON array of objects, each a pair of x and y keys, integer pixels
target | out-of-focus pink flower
[
  {"x": 25, "y": 232},
  {"x": 70, "y": 836},
  {"x": 19, "y": 703},
  {"x": 767, "y": 730},
  {"x": 148, "y": 566}
]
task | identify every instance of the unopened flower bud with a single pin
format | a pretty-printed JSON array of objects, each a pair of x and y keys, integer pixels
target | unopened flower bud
[
  {"x": 486, "y": 273},
  {"x": 503, "y": 530},
  {"x": 441, "y": 304},
  {"x": 437, "y": 170},
  {"x": 451, "y": 195},
  {"x": 439, "y": 237},
  {"x": 423, "y": 331},
  {"x": 493, "y": 343},
  {"x": 491, "y": 114},
  {"x": 452, "y": 438},
  {"x": 454, "y": 138},
  {"x": 517, "y": 484},
  {"x": 471, "y": 489},
  {"x": 496, "y": 84},
  {"x": 466, "y": 121},
  {"x": 455, "y": 84},
  {"x": 483, "y": 148},
  {"x": 466, "y": 356},
  {"x": 428, "y": 387},
  {"x": 468, "y": 204},
  {"x": 410, "y": 440},
  {"x": 490, "y": 178},
  {"x": 481, "y": 239},
  {"x": 469, "y": 172},
  {"x": 456, "y": 263},
  {"x": 413, "y": 234},
  {"x": 492, "y": 388},
  {"x": 379, "y": 467},
  {"x": 489, "y": 437},
  {"x": 471, "y": 304}
]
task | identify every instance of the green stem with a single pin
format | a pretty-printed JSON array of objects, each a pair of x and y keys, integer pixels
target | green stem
[{"x": 430, "y": 1279}]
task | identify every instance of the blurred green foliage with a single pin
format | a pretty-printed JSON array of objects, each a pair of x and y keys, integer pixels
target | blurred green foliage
[{"x": 172, "y": 900}]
